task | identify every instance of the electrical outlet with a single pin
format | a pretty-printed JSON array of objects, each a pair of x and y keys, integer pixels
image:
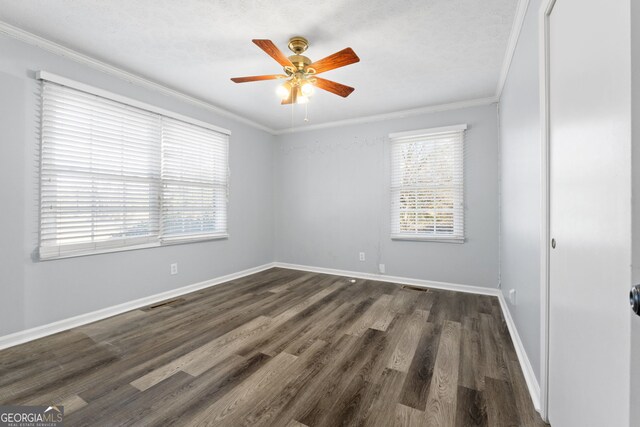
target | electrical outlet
[
  {"x": 512, "y": 296},
  {"x": 174, "y": 268},
  {"x": 381, "y": 268},
  {"x": 361, "y": 256}
]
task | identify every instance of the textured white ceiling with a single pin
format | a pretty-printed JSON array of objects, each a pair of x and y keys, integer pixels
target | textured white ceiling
[{"x": 413, "y": 53}]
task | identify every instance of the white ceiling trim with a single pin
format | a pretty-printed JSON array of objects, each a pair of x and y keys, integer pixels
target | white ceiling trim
[
  {"x": 518, "y": 22},
  {"x": 58, "y": 49},
  {"x": 394, "y": 115}
]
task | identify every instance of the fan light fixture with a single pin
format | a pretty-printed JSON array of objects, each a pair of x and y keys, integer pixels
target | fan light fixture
[
  {"x": 283, "y": 91},
  {"x": 303, "y": 91},
  {"x": 307, "y": 89},
  {"x": 301, "y": 73}
]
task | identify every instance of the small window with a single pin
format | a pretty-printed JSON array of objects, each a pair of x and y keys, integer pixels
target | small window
[
  {"x": 427, "y": 184},
  {"x": 115, "y": 176}
]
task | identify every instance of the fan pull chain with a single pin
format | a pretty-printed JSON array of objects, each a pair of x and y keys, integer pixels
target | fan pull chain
[{"x": 306, "y": 112}]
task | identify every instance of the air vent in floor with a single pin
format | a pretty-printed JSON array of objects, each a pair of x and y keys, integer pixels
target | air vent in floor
[
  {"x": 415, "y": 288},
  {"x": 166, "y": 303}
]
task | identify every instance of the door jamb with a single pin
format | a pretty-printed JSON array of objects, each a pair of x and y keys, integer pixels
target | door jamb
[{"x": 543, "y": 24}]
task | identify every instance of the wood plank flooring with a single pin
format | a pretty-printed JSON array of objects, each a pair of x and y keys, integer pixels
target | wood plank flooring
[{"x": 283, "y": 348}]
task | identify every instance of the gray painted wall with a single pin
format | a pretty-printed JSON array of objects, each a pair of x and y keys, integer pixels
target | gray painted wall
[
  {"x": 520, "y": 153},
  {"x": 330, "y": 198},
  {"x": 332, "y": 193},
  {"x": 36, "y": 293}
]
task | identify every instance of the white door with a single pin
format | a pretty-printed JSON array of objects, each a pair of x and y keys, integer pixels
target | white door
[{"x": 590, "y": 212}]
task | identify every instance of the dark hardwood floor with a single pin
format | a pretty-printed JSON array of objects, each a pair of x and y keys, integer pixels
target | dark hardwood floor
[{"x": 283, "y": 348}]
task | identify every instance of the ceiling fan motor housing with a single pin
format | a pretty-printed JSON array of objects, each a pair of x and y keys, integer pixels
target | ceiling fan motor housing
[
  {"x": 298, "y": 44},
  {"x": 300, "y": 61}
]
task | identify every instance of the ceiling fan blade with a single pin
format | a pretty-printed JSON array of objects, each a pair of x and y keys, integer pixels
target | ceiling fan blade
[
  {"x": 333, "y": 87},
  {"x": 272, "y": 50},
  {"x": 258, "y": 78},
  {"x": 339, "y": 59}
]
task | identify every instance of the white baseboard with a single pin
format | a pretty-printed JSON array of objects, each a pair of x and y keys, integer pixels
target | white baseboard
[
  {"x": 525, "y": 364},
  {"x": 83, "y": 319},
  {"x": 21, "y": 337},
  {"x": 394, "y": 279}
]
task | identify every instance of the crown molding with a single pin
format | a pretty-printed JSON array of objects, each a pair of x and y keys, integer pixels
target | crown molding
[
  {"x": 516, "y": 29},
  {"x": 393, "y": 115},
  {"x": 55, "y": 48},
  {"x": 48, "y": 45}
]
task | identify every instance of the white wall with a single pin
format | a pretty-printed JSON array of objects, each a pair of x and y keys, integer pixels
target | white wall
[
  {"x": 36, "y": 293},
  {"x": 332, "y": 189},
  {"x": 520, "y": 155}
]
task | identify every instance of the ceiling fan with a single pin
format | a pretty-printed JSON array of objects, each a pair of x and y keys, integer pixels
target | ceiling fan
[{"x": 301, "y": 73}]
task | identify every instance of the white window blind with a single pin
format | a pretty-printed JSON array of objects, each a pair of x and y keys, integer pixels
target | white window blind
[
  {"x": 427, "y": 184},
  {"x": 116, "y": 176},
  {"x": 194, "y": 181}
]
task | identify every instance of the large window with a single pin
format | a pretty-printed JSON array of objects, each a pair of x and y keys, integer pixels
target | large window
[
  {"x": 427, "y": 184},
  {"x": 119, "y": 176}
]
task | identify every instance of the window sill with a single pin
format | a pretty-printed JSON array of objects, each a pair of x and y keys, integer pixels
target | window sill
[
  {"x": 184, "y": 240},
  {"x": 169, "y": 242},
  {"x": 458, "y": 240}
]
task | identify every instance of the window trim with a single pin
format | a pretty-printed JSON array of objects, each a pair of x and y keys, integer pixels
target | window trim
[
  {"x": 429, "y": 238},
  {"x": 173, "y": 242},
  {"x": 430, "y": 131},
  {"x": 436, "y": 239},
  {"x": 157, "y": 241}
]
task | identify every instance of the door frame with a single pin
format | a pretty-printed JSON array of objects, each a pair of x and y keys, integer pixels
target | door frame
[{"x": 543, "y": 25}]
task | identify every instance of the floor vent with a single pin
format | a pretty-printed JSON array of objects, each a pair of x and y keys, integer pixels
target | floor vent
[
  {"x": 165, "y": 303},
  {"x": 415, "y": 288}
]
